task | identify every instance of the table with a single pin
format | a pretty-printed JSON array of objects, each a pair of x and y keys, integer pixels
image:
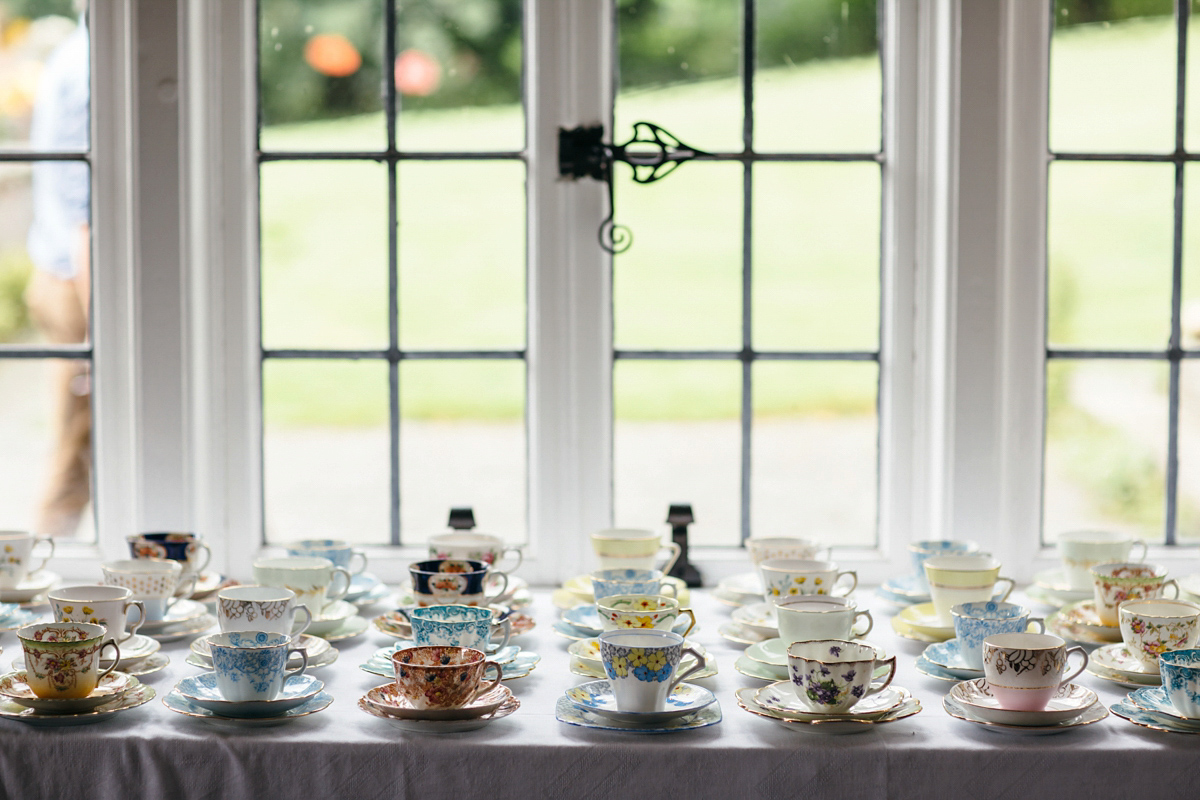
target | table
[{"x": 342, "y": 752}]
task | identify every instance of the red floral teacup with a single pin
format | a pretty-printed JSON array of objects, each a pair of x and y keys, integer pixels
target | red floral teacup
[
  {"x": 1116, "y": 583},
  {"x": 442, "y": 677},
  {"x": 62, "y": 659}
]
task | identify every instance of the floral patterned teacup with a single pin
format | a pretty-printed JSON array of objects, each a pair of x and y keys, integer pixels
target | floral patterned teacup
[
  {"x": 641, "y": 664},
  {"x": 16, "y": 549},
  {"x": 252, "y": 665},
  {"x": 1114, "y": 584},
  {"x": 831, "y": 675},
  {"x": 108, "y": 606},
  {"x": 62, "y": 659},
  {"x": 1153, "y": 627},
  {"x": 186, "y": 548},
  {"x": 261, "y": 608},
  {"x": 765, "y": 549},
  {"x": 974, "y": 622},
  {"x": 454, "y": 581},
  {"x": 442, "y": 677},
  {"x": 338, "y": 551},
  {"x": 1024, "y": 670},
  {"x": 456, "y": 626},
  {"x": 611, "y": 582},
  {"x": 623, "y": 611},
  {"x": 1181, "y": 680},
  {"x": 474, "y": 547},
  {"x": 793, "y": 577}
]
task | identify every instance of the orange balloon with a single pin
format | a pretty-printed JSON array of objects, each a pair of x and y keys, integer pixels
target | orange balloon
[{"x": 332, "y": 54}]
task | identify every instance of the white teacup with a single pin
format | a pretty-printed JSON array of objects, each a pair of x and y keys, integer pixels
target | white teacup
[
  {"x": 1082, "y": 550},
  {"x": 1024, "y": 670},
  {"x": 641, "y": 666},
  {"x": 108, "y": 606},
  {"x": 803, "y": 619},
  {"x": 632, "y": 548},
  {"x": 962, "y": 579},
  {"x": 1156, "y": 626},
  {"x": 768, "y": 548},
  {"x": 473, "y": 546},
  {"x": 154, "y": 581},
  {"x": 261, "y": 608},
  {"x": 793, "y": 577},
  {"x": 16, "y": 549},
  {"x": 315, "y": 581}
]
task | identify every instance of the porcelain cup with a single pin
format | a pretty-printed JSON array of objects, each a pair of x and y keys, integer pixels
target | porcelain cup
[
  {"x": 974, "y": 622},
  {"x": 641, "y": 666},
  {"x": 793, "y": 577},
  {"x": 340, "y": 552},
  {"x": 1024, "y": 670},
  {"x": 1082, "y": 550},
  {"x": 472, "y": 546},
  {"x": 186, "y": 548},
  {"x": 926, "y": 549},
  {"x": 252, "y": 665},
  {"x": 261, "y": 608},
  {"x": 1113, "y": 584},
  {"x": 812, "y": 617},
  {"x": 773, "y": 547},
  {"x": 611, "y": 582},
  {"x": 962, "y": 579},
  {"x": 454, "y": 581},
  {"x": 315, "y": 581},
  {"x": 62, "y": 659},
  {"x": 456, "y": 626},
  {"x": 158, "y": 582},
  {"x": 16, "y": 552},
  {"x": 1181, "y": 680},
  {"x": 625, "y": 611},
  {"x": 1150, "y": 628},
  {"x": 442, "y": 677},
  {"x": 831, "y": 675},
  {"x": 632, "y": 548},
  {"x": 107, "y": 606}
]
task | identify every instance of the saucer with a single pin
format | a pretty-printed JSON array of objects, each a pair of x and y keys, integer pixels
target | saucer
[
  {"x": 757, "y": 669},
  {"x": 1082, "y": 616},
  {"x": 923, "y": 620},
  {"x": 1054, "y": 582},
  {"x": 745, "y": 587},
  {"x": 181, "y": 705},
  {"x": 947, "y": 656},
  {"x": 929, "y": 669},
  {"x": 1154, "y": 699},
  {"x": 206, "y": 584},
  {"x": 380, "y": 595},
  {"x": 34, "y": 584},
  {"x": 1116, "y": 659},
  {"x": 1189, "y": 585},
  {"x": 133, "y": 650},
  {"x": 333, "y": 616},
  {"x": 587, "y": 619},
  {"x": 146, "y": 666},
  {"x": 395, "y": 625},
  {"x": 581, "y": 586},
  {"x": 349, "y": 628},
  {"x": 361, "y": 584},
  {"x": 597, "y": 697},
  {"x": 501, "y": 655},
  {"x": 834, "y": 726},
  {"x": 905, "y": 589},
  {"x": 442, "y": 726},
  {"x": 313, "y": 646},
  {"x": 7, "y": 610},
  {"x": 758, "y": 617},
  {"x": 773, "y": 653},
  {"x": 568, "y": 631},
  {"x": 202, "y": 690},
  {"x": 19, "y": 619},
  {"x": 568, "y": 712},
  {"x": 1040, "y": 594},
  {"x": 1126, "y": 709},
  {"x": 1069, "y": 702},
  {"x": 387, "y": 699},
  {"x": 733, "y": 632},
  {"x": 589, "y": 669},
  {"x": 728, "y": 598},
  {"x": 1094, "y": 713},
  {"x": 183, "y": 611},
  {"x": 183, "y": 630},
  {"x": 1057, "y": 624},
  {"x": 137, "y": 696},
  {"x": 111, "y": 687},
  {"x": 780, "y": 700}
]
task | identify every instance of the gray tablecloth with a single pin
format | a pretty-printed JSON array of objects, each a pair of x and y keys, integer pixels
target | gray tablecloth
[{"x": 342, "y": 752}]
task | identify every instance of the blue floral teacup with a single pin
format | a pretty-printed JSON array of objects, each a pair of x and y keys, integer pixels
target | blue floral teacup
[
  {"x": 456, "y": 626},
  {"x": 640, "y": 665},
  {"x": 1181, "y": 679},
  {"x": 610, "y": 582},
  {"x": 974, "y": 622},
  {"x": 831, "y": 675},
  {"x": 340, "y": 552},
  {"x": 251, "y": 665},
  {"x": 928, "y": 548}
]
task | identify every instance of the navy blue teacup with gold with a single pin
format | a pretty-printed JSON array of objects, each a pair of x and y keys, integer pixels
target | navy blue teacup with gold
[{"x": 454, "y": 581}]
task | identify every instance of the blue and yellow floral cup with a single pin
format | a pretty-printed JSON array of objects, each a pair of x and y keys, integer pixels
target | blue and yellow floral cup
[{"x": 641, "y": 664}]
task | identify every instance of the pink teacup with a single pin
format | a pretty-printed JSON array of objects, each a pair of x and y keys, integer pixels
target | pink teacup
[{"x": 1024, "y": 670}]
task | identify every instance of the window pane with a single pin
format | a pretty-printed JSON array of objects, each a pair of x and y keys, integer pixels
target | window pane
[
  {"x": 1112, "y": 77},
  {"x": 677, "y": 439},
  {"x": 818, "y": 86},
  {"x": 458, "y": 75},
  {"x": 1106, "y": 444},
  {"x": 679, "y": 66},
  {"x": 46, "y": 447},
  {"x": 680, "y": 285},
  {"x": 321, "y": 61},
  {"x": 816, "y": 256},
  {"x": 462, "y": 437},
  {"x": 324, "y": 254},
  {"x": 815, "y": 451},
  {"x": 1190, "y": 311},
  {"x": 1192, "y": 131},
  {"x": 44, "y": 76},
  {"x": 1110, "y": 233},
  {"x": 326, "y": 450},
  {"x": 462, "y": 255},
  {"x": 1187, "y": 503}
]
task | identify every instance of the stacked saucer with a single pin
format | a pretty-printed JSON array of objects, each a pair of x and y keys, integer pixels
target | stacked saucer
[
  {"x": 319, "y": 651},
  {"x": 1151, "y": 707},
  {"x": 944, "y": 661},
  {"x": 387, "y": 702},
  {"x": 594, "y": 705},
  {"x": 114, "y": 693},
  {"x": 740, "y": 590},
  {"x": 779, "y": 703},
  {"x": 514, "y": 662},
  {"x": 338, "y": 620},
  {"x": 1114, "y": 662},
  {"x": 1071, "y": 706},
  {"x": 200, "y": 697},
  {"x": 184, "y": 618},
  {"x": 31, "y": 589},
  {"x": 585, "y": 659},
  {"x": 367, "y": 590}
]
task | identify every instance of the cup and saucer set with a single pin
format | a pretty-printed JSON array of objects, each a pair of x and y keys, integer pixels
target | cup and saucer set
[
  {"x": 805, "y": 618},
  {"x": 586, "y": 662},
  {"x": 163, "y": 590},
  {"x": 452, "y": 581},
  {"x": 1173, "y": 707},
  {"x": 1079, "y": 552},
  {"x": 365, "y": 589},
  {"x": 626, "y": 598},
  {"x": 963, "y": 576},
  {"x": 623, "y": 549},
  {"x": 961, "y": 657},
  {"x": 268, "y": 609},
  {"x": 20, "y": 581},
  {"x": 1149, "y": 627},
  {"x": 911, "y": 589},
  {"x": 61, "y": 681},
  {"x": 747, "y": 587},
  {"x": 320, "y": 586},
  {"x": 783, "y": 579},
  {"x": 192, "y": 554}
]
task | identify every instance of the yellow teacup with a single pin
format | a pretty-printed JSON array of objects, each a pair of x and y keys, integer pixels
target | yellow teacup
[{"x": 62, "y": 659}]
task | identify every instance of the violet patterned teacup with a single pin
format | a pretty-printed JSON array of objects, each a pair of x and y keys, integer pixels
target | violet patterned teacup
[
  {"x": 16, "y": 551},
  {"x": 974, "y": 622},
  {"x": 62, "y": 659},
  {"x": 831, "y": 675},
  {"x": 456, "y": 626},
  {"x": 261, "y": 608},
  {"x": 108, "y": 606},
  {"x": 641, "y": 666},
  {"x": 611, "y": 582},
  {"x": 1113, "y": 584},
  {"x": 442, "y": 677},
  {"x": 341, "y": 553},
  {"x": 454, "y": 581},
  {"x": 472, "y": 546},
  {"x": 623, "y": 611},
  {"x": 252, "y": 665},
  {"x": 1152, "y": 627},
  {"x": 1024, "y": 670}
]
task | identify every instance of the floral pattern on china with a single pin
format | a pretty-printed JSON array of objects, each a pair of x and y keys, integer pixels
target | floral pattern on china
[
  {"x": 62, "y": 669},
  {"x": 794, "y": 590},
  {"x": 650, "y": 665},
  {"x": 236, "y": 608},
  {"x": 1021, "y": 661},
  {"x": 825, "y": 690},
  {"x": 1162, "y": 637},
  {"x": 486, "y": 556},
  {"x": 258, "y": 667},
  {"x": 87, "y": 612}
]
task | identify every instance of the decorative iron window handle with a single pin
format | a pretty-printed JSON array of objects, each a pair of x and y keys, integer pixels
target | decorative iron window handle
[{"x": 653, "y": 153}]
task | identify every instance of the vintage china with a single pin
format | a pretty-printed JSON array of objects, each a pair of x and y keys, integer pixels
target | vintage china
[
  {"x": 612, "y": 582},
  {"x": 138, "y": 668},
  {"x": 947, "y": 656},
  {"x": 442, "y": 726},
  {"x": 1058, "y": 624},
  {"x": 135, "y": 697},
  {"x": 758, "y": 617},
  {"x": 581, "y": 585},
  {"x": 903, "y": 589},
  {"x": 182, "y": 612},
  {"x": 1026, "y": 670},
  {"x": 457, "y": 581},
  {"x": 586, "y": 618},
  {"x": 63, "y": 658},
  {"x": 1067, "y": 703},
  {"x": 1181, "y": 680},
  {"x": 589, "y": 650},
  {"x": 1155, "y": 699},
  {"x": 777, "y": 547},
  {"x": 905, "y": 631},
  {"x": 1113, "y": 584},
  {"x": 395, "y": 625},
  {"x": 475, "y": 546},
  {"x": 325, "y": 659},
  {"x": 921, "y": 551},
  {"x": 378, "y": 595},
  {"x": 632, "y": 548},
  {"x": 597, "y": 697},
  {"x": 161, "y": 584},
  {"x": 332, "y": 617},
  {"x": 17, "y": 552},
  {"x": 931, "y": 670},
  {"x": 568, "y": 631},
  {"x": 773, "y": 652},
  {"x": 757, "y": 669},
  {"x": 828, "y": 725},
  {"x": 642, "y": 666},
  {"x": 971, "y": 578},
  {"x": 354, "y": 626},
  {"x": 1114, "y": 662},
  {"x": 188, "y": 549},
  {"x": 361, "y": 584},
  {"x": 922, "y": 618},
  {"x": 739, "y": 634},
  {"x": 783, "y": 700},
  {"x": 1093, "y": 714},
  {"x": 252, "y": 666},
  {"x": 31, "y": 586},
  {"x": 807, "y": 618},
  {"x": 623, "y": 611},
  {"x": 202, "y": 690},
  {"x": 730, "y": 599},
  {"x": 832, "y": 675},
  {"x": 794, "y": 577},
  {"x": 578, "y": 666},
  {"x": 313, "y": 646},
  {"x": 181, "y": 705},
  {"x": 339, "y": 552},
  {"x": 501, "y": 655},
  {"x": 109, "y": 606},
  {"x": 1084, "y": 549},
  {"x": 1128, "y": 710},
  {"x": 746, "y": 586},
  {"x": 19, "y": 620},
  {"x": 568, "y": 712},
  {"x": 390, "y": 701},
  {"x": 1083, "y": 617},
  {"x": 515, "y": 595},
  {"x": 1151, "y": 628},
  {"x": 1040, "y": 595},
  {"x": 521, "y": 665},
  {"x": 206, "y": 584},
  {"x": 1055, "y": 582},
  {"x": 974, "y": 622},
  {"x": 111, "y": 687},
  {"x": 443, "y": 676},
  {"x": 1190, "y": 585},
  {"x": 133, "y": 650},
  {"x": 261, "y": 608},
  {"x": 173, "y": 633},
  {"x": 316, "y": 581}
]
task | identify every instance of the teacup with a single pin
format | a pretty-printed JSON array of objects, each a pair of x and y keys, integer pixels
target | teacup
[
  {"x": 632, "y": 548},
  {"x": 641, "y": 666},
  {"x": 611, "y": 582},
  {"x": 154, "y": 581},
  {"x": 962, "y": 579},
  {"x": 16, "y": 550},
  {"x": 107, "y": 606},
  {"x": 252, "y": 665},
  {"x": 62, "y": 659},
  {"x": 1113, "y": 584},
  {"x": 766, "y": 549},
  {"x": 471, "y": 546},
  {"x": 926, "y": 549},
  {"x": 341, "y": 553},
  {"x": 625, "y": 611},
  {"x": 454, "y": 581},
  {"x": 456, "y": 626},
  {"x": 261, "y": 608},
  {"x": 315, "y": 581},
  {"x": 442, "y": 677},
  {"x": 810, "y": 617},
  {"x": 792, "y": 577},
  {"x": 186, "y": 548},
  {"x": 974, "y": 622},
  {"x": 1024, "y": 670},
  {"x": 1181, "y": 680},
  {"x": 831, "y": 675},
  {"x": 1153, "y": 627},
  {"x": 1082, "y": 550}
]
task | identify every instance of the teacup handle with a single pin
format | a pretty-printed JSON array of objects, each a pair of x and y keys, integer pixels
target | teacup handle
[
  {"x": 482, "y": 690},
  {"x": 190, "y": 582},
  {"x": 1011, "y": 583},
  {"x": 1041, "y": 623},
  {"x": 359, "y": 554},
  {"x": 404, "y": 613},
  {"x": 116, "y": 659},
  {"x": 295, "y": 634},
  {"x": 1138, "y": 543},
  {"x": 870, "y": 623},
  {"x": 699, "y": 665},
  {"x": 1174, "y": 586},
  {"x": 49, "y": 555},
  {"x": 676, "y": 550},
  {"x": 192, "y": 548},
  {"x": 691, "y": 615},
  {"x": 891, "y": 674},
  {"x": 332, "y": 595},
  {"x": 520, "y": 554},
  {"x": 132, "y": 629},
  {"x": 662, "y": 589},
  {"x": 853, "y": 582},
  {"x": 503, "y": 585},
  {"x": 506, "y": 626},
  {"x": 303, "y": 663},
  {"x": 1082, "y": 666}
]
